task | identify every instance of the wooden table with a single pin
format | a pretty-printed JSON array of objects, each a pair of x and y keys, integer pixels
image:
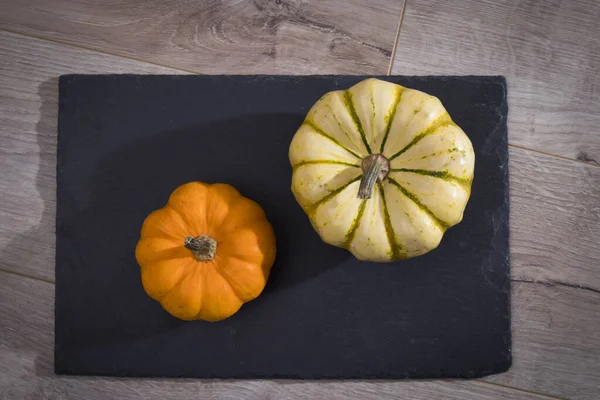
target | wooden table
[{"x": 548, "y": 50}]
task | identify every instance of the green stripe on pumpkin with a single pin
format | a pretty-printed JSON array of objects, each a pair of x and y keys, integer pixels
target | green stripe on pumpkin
[
  {"x": 340, "y": 124},
  {"x": 415, "y": 199},
  {"x": 322, "y": 133},
  {"x": 389, "y": 118},
  {"x": 355, "y": 224},
  {"x": 442, "y": 121},
  {"x": 350, "y": 106},
  {"x": 312, "y": 162},
  {"x": 444, "y": 175},
  {"x": 389, "y": 229},
  {"x": 334, "y": 193}
]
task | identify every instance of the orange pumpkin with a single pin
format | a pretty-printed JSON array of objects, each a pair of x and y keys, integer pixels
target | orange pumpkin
[{"x": 207, "y": 252}]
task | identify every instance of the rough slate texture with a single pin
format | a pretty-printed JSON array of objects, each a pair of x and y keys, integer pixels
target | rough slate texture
[{"x": 125, "y": 142}]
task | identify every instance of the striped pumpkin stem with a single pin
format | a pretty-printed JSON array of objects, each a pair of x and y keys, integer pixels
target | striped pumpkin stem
[{"x": 375, "y": 169}]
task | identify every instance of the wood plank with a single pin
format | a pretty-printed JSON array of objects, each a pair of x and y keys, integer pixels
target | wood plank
[
  {"x": 556, "y": 345},
  {"x": 29, "y": 70},
  {"x": 548, "y": 50},
  {"x": 26, "y": 347},
  {"x": 222, "y": 37},
  {"x": 555, "y": 220}
]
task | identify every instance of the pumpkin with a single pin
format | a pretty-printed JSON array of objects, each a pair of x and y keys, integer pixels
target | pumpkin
[
  {"x": 207, "y": 252},
  {"x": 381, "y": 170}
]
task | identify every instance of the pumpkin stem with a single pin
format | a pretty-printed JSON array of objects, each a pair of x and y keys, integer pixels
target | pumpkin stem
[
  {"x": 204, "y": 247},
  {"x": 375, "y": 169}
]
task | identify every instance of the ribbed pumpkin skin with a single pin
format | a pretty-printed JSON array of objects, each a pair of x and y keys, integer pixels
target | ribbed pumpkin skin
[
  {"x": 431, "y": 164},
  {"x": 209, "y": 290}
]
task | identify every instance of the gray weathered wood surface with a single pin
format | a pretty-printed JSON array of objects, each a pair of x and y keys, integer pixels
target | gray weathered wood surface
[
  {"x": 222, "y": 36},
  {"x": 548, "y": 50}
]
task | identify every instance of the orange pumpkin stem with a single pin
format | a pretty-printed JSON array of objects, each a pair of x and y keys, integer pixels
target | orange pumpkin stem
[
  {"x": 375, "y": 169},
  {"x": 203, "y": 247}
]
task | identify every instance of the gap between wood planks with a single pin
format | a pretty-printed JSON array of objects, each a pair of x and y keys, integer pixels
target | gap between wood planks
[
  {"x": 22, "y": 275},
  {"x": 521, "y": 390},
  {"x": 389, "y": 71},
  {"x": 589, "y": 164},
  {"x": 91, "y": 49},
  {"x": 552, "y": 283}
]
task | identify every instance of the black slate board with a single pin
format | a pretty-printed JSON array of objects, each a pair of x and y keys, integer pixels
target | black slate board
[{"x": 125, "y": 142}]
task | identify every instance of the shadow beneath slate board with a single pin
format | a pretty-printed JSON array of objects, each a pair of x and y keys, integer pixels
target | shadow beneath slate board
[
  {"x": 45, "y": 233},
  {"x": 35, "y": 247},
  {"x": 136, "y": 179}
]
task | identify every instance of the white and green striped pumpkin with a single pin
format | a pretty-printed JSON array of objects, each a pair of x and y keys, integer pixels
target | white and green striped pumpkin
[{"x": 381, "y": 170}]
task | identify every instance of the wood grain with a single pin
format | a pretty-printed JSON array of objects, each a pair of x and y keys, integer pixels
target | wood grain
[
  {"x": 26, "y": 345},
  {"x": 222, "y": 36},
  {"x": 549, "y": 50},
  {"x": 554, "y": 220}
]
